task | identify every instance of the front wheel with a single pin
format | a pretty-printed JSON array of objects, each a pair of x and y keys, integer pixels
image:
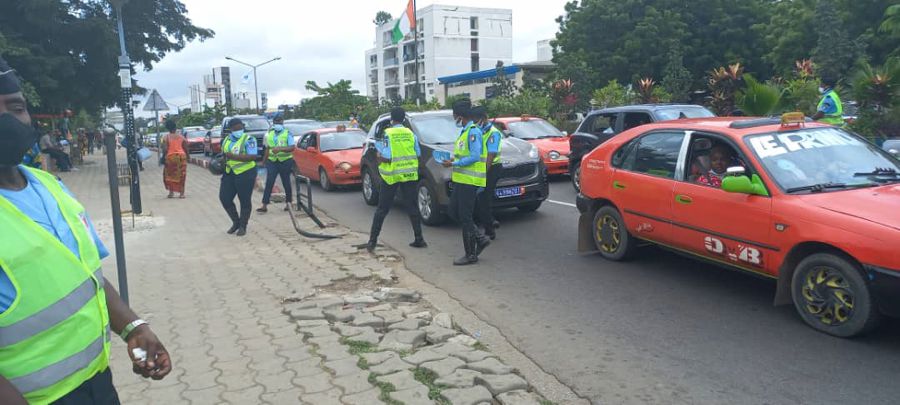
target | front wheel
[
  {"x": 611, "y": 237},
  {"x": 369, "y": 188},
  {"x": 832, "y": 297},
  {"x": 530, "y": 207},
  {"x": 426, "y": 203},
  {"x": 325, "y": 181},
  {"x": 575, "y": 176}
]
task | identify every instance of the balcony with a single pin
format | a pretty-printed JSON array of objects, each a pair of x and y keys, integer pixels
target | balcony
[
  {"x": 394, "y": 82},
  {"x": 389, "y": 62}
]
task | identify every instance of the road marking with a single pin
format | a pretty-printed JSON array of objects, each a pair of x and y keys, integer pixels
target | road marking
[{"x": 563, "y": 203}]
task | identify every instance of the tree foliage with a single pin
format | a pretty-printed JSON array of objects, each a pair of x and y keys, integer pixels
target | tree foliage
[
  {"x": 333, "y": 102},
  {"x": 382, "y": 17}
]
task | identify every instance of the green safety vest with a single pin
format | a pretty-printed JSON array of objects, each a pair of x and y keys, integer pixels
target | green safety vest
[
  {"x": 404, "y": 165},
  {"x": 55, "y": 335},
  {"x": 280, "y": 140},
  {"x": 239, "y": 148},
  {"x": 836, "y": 119},
  {"x": 484, "y": 143},
  {"x": 474, "y": 174}
]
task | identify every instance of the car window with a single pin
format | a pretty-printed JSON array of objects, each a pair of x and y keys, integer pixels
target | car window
[
  {"x": 709, "y": 158},
  {"x": 655, "y": 154},
  {"x": 601, "y": 124},
  {"x": 625, "y": 151},
  {"x": 313, "y": 140},
  {"x": 342, "y": 140},
  {"x": 304, "y": 141},
  {"x": 636, "y": 119},
  {"x": 681, "y": 112}
]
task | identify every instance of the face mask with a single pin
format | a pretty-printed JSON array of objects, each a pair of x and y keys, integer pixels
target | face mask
[
  {"x": 278, "y": 127},
  {"x": 821, "y": 90},
  {"x": 238, "y": 133},
  {"x": 15, "y": 139}
]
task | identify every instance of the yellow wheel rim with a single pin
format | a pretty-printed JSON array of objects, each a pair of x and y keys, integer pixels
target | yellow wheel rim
[
  {"x": 827, "y": 296},
  {"x": 608, "y": 234}
]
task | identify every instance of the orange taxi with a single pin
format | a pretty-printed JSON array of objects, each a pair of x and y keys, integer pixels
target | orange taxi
[
  {"x": 330, "y": 156},
  {"x": 811, "y": 206},
  {"x": 552, "y": 144}
]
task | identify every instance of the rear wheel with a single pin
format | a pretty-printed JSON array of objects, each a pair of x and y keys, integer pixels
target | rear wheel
[
  {"x": 530, "y": 207},
  {"x": 575, "y": 176},
  {"x": 611, "y": 237},
  {"x": 832, "y": 297},
  {"x": 369, "y": 188},
  {"x": 324, "y": 180},
  {"x": 426, "y": 203}
]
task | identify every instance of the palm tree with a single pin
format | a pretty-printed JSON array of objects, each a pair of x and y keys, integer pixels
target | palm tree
[{"x": 891, "y": 23}]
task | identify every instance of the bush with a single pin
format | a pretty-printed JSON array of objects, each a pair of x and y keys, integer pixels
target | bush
[
  {"x": 758, "y": 99},
  {"x": 801, "y": 94},
  {"x": 527, "y": 102},
  {"x": 613, "y": 95}
]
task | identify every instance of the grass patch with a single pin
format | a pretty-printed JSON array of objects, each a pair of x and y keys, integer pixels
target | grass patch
[
  {"x": 363, "y": 363},
  {"x": 386, "y": 390},
  {"x": 481, "y": 346},
  {"x": 434, "y": 391},
  {"x": 404, "y": 353},
  {"x": 356, "y": 347},
  {"x": 547, "y": 402}
]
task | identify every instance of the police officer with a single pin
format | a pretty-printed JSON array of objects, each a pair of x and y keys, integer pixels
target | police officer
[
  {"x": 58, "y": 309},
  {"x": 492, "y": 138},
  {"x": 240, "y": 175},
  {"x": 398, "y": 165},
  {"x": 830, "y": 110},
  {"x": 279, "y": 162},
  {"x": 468, "y": 175}
]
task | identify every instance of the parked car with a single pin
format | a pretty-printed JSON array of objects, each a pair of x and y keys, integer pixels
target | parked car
[
  {"x": 212, "y": 142},
  {"x": 194, "y": 140},
  {"x": 522, "y": 184},
  {"x": 299, "y": 127},
  {"x": 254, "y": 125},
  {"x": 550, "y": 141},
  {"x": 335, "y": 124},
  {"x": 601, "y": 125},
  {"x": 809, "y": 205},
  {"x": 330, "y": 157}
]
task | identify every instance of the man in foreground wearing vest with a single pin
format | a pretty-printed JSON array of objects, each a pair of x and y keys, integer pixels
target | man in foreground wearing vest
[
  {"x": 469, "y": 174},
  {"x": 830, "y": 110},
  {"x": 280, "y": 162},
  {"x": 58, "y": 311},
  {"x": 398, "y": 157},
  {"x": 240, "y": 175},
  {"x": 492, "y": 139}
]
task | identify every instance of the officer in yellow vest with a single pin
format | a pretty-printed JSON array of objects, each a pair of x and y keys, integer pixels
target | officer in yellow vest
[
  {"x": 279, "y": 161},
  {"x": 240, "y": 175},
  {"x": 398, "y": 157},
  {"x": 468, "y": 176},
  {"x": 830, "y": 110},
  {"x": 492, "y": 138},
  {"x": 57, "y": 311}
]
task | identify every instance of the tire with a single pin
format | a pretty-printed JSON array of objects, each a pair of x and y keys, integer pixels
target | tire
[
  {"x": 832, "y": 297},
  {"x": 324, "y": 181},
  {"x": 426, "y": 203},
  {"x": 575, "y": 176},
  {"x": 530, "y": 207},
  {"x": 611, "y": 237},
  {"x": 369, "y": 188}
]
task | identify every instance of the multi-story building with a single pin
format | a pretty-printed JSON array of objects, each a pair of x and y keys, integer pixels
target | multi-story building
[{"x": 451, "y": 40}]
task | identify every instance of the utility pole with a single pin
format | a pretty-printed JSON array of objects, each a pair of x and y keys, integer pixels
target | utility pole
[
  {"x": 127, "y": 112},
  {"x": 255, "y": 83},
  {"x": 416, "y": 49}
]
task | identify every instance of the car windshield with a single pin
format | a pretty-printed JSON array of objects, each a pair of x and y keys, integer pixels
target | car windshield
[
  {"x": 255, "y": 124},
  {"x": 675, "y": 113},
  {"x": 436, "y": 129},
  {"x": 299, "y": 128},
  {"x": 195, "y": 134},
  {"x": 533, "y": 129},
  {"x": 334, "y": 124},
  {"x": 341, "y": 140},
  {"x": 822, "y": 158}
]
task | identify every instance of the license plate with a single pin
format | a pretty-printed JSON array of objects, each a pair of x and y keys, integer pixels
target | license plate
[{"x": 506, "y": 192}]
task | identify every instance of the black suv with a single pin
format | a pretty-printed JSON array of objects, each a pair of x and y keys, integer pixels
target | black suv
[
  {"x": 601, "y": 125},
  {"x": 522, "y": 184},
  {"x": 255, "y": 126}
]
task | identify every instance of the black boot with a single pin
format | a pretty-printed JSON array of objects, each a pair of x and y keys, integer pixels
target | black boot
[
  {"x": 234, "y": 228},
  {"x": 416, "y": 222},
  {"x": 470, "y": 244},
  {"x": 235, "y": 220},
  {"x": 481, "y": 242},
  {"x": 371, "y": 245}
]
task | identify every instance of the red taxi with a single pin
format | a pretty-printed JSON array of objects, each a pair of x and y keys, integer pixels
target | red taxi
[
  {"x": 552, "y": 144},
  {"x": 330, "y": 156},
  {"x": 812, "y": 206},
  {"x": 194, "y": 139}
]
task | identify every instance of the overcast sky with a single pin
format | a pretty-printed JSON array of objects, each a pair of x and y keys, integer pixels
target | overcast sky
[{"x": 317, "y": 40}]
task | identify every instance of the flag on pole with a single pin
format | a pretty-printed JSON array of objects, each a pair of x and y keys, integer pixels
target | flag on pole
[
  {"x": 246, "y": 78},
  {"x": 405, "y": 24}
]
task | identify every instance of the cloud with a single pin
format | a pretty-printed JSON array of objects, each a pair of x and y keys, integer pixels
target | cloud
[{"x": 324, "y": 41}]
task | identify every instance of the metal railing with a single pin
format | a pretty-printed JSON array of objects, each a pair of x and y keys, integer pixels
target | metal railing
[{"x": 305, "y": 203}]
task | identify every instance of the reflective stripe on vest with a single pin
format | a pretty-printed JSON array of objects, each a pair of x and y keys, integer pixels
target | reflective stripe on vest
[
  {"x": 837, "y": 118},
  {"x": 55, "y": 335},
  {"x": 238, "y": 148},
  {"x": 487, "y": 137},
  {"x": 280, "y": 140},
  {"x": 474, "y": 174},
  {"x": 404, "y": 164}
]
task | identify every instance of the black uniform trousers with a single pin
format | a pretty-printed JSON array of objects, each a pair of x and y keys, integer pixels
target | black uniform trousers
[
  {"x": 386, "y": 196},
  {"x": 98, "y": 390},
  {"x": 274, "y": 170},
  {"x": 486, "y": 199},
  {"x": 240, "y": 185},
  {"x": 462, "y": 210}
]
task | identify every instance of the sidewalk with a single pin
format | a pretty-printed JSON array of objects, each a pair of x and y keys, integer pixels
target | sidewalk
[{"x": 280, "y": 319}]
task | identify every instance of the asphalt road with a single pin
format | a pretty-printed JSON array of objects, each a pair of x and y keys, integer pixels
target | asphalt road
[{"x": 660, "y": 329}]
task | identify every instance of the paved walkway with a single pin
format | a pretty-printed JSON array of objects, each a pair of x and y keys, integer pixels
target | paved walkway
[{"x": 227, "y": 308}]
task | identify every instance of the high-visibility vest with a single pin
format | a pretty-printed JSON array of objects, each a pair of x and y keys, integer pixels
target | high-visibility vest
[
  {"x": 404, "y": 165},
  {"x": 487, "y": 137},
  {"x": 238, "y": 147},
  {"x": 55, "y": 336},
  {"x": 279, "y": 140},
  {"x": 836, "y": 118},
  {"x": 474, "y": 174}
]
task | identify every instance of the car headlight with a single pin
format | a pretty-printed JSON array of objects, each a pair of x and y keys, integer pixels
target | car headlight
[
  {"x": 533, "y": 152},
  {"x": 344, "y": 166},
  {"x": 553, "y": 155}
]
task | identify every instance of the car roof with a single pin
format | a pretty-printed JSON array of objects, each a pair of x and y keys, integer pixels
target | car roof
[
  {"x": 298, "y": 121},
  {"x": 419, "y": 114},
  {"x": 322, "y": 131},
  {"x": 642, "y": 107},
  {"x": 517, "y": 119},
  {"x": 723, "y": 125}
]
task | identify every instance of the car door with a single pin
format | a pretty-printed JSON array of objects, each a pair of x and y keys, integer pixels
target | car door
[
  {"x": 644, "y": 180},
  {"x": 725, "y": 227},
  {"x": 303, "y": 157}
]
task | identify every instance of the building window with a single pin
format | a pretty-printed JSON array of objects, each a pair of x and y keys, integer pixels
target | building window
[
  {"x": 475, "y": 63},
  {"x": 473, "y": 23},
  {"x": 474, "y": 44}
]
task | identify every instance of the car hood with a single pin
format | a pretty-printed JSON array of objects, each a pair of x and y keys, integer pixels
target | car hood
[
  {"x": 513, "y": 151},
  {"x": 878, "y": 205},
  {"x": 351, "y": 156},
  {"x": 559, "y": 144}
]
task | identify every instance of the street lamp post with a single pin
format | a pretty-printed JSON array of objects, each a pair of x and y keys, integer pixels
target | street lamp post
[
  {"x": 255, "y": 85},
  {"x": 127, "y": 111}
]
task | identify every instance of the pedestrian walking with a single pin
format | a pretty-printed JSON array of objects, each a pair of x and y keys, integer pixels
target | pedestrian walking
[
  {"x": 279, "y": 162},
  {"x": 468, "y": 175},
  {"x": 398, "y": 165},
  {"x": 830, "y": 110},
  {"x": 90, "y": 141},
  {"x": 50, "y": 147},
  {"x": 58, "y": 309},
  {"x": 175, "y": 170},
  {"x": 492, "y": 139},
  {"x": 240, "y": 151}
]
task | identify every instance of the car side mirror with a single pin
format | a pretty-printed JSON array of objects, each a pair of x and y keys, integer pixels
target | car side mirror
[
  {"x": 745, "y": 185},
  {"x": 894, "y": 152},
  {"x": 565, "y": 133}
]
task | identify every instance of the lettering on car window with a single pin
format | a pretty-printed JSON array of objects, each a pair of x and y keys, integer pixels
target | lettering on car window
[{"x": 775, "y": 145}]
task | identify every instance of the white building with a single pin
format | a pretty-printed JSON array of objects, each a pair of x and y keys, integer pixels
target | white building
[{"x": 451, "y": 40}]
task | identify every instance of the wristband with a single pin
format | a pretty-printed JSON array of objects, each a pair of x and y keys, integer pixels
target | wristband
[{"x": 131, "y": 327}]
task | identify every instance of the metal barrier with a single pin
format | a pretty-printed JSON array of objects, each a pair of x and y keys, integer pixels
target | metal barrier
[{"x": 305, "y": 202}]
